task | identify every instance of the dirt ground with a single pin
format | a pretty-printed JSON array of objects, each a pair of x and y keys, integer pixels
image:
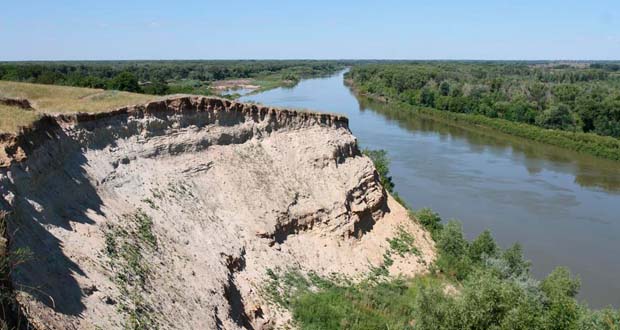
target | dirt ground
[{"x": 169, "y": 214}]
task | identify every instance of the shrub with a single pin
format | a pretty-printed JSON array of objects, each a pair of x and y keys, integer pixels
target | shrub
[
  {"x": 482, "y": 247},
  {"x": 382, "y": 164},
  {"x": 125, "y": 81},
  {"x": 475, "y": 285},
  {"x": 452, "y": 247},
  {"x": 430, "y": 220}
]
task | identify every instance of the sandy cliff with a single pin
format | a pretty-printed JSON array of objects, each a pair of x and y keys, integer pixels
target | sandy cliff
[{"x": 169, "y": 214}]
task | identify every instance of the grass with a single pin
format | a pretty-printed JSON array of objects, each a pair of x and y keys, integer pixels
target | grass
[
  {"x": 60, "y": 99},
  {"x": 151, "y": 203},
  {"x": 13, "y": 117},
  {"x": 497, "y": 293},
  {"x": 336, "y": 303},
  {"x": 10, "y": 316},
  {"x": 125, "y": 247},
  {"x": 189, "y": 86},
  {"x": 403, "y": 243},
  {"x": 271, "y": 82},
  {"x": 472, "y": 285}
]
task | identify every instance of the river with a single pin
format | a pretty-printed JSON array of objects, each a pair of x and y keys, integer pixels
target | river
[{"x": 563, "y": 207}]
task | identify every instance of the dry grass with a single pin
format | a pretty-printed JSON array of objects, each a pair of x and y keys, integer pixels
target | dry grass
[
  {"x": 13, "y": 117},
  {"x": 59, "y": 99}
]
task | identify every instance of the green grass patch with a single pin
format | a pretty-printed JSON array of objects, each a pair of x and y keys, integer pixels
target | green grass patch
[
  {"x": 403, "y": 244},
  {"x": 125, "y": 247}
]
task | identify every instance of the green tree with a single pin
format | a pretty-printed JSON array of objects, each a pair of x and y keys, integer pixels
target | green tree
[
  {"x": 521, "y": 111},
  {"x": 125, "y": 81},
  {"x": 444, "y": 88},
  {"x": 483, "y": 245},
  {"x": 563, "y": 310},
  {"x": 158, "y": 87},
  {"x": 557, "y": 117},
  {"x": 427, "y": 97},
  {"x": 452, "y": 247},
  {"x": 517, "y": 265}
]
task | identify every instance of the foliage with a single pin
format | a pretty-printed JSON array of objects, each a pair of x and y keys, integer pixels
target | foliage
[
  {"x": 159, "y": 87},
  {"x": 430, "y": 220},
  {"x": 600, "y": 146},
  {"x": 382, "y": 164},
  {"x": 11, "y": 317},
  {"x": 473, "y": 285},
  {"x": 582, "y": 98},
  {"x": 490, "y": 289},
  {"x": 403, "y": 243},
  {"x": 125, "y": 246},
  {"x": 556, "y": 117},
  {"x": 125, "y": 81},
  {"x": 162, "y": 77}
]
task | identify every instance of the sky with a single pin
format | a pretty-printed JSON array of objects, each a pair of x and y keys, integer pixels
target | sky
[{"x": 317, "y": 29}]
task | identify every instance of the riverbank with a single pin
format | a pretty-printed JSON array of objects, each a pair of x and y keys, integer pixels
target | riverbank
[
  {"x": 235, "y": 88},
  {"x": 589, "y": 143},
  {"x": 469, "y": 277},
  {"x": 548, "y": 198}
]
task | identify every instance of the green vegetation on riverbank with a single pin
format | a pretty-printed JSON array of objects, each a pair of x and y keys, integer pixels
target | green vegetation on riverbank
[
  {"x": 600, "y": 146},
  {"x": 472, "y": 285},
  {"x": 165, "y": 77},
  {"x": 565, "y": 106}
]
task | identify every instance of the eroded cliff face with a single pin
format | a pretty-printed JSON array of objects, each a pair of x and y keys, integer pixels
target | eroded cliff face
[{"x": 169, "y": 214}]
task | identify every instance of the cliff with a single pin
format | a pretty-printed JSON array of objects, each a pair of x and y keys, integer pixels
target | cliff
[{"x": 169, "y": 214}]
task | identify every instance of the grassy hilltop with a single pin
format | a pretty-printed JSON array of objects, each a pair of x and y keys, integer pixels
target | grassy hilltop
[{"x": 59, "y": 99}]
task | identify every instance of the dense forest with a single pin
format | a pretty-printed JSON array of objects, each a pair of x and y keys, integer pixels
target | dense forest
[
  {"x": 576, "y": 97},
  {"x": 160, "y": 77}
]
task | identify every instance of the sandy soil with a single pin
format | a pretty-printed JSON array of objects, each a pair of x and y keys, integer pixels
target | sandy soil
[
  {"x": 169, "y": 214},
  {"x": 222, "y": 85}
]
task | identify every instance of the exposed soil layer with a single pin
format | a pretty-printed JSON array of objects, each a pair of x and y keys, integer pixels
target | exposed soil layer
[{"x": 169, "y": 214}]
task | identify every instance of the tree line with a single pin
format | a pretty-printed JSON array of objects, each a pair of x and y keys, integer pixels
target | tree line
[
  {"x": 158, "y": 77},
  {"x": 574, "y": 97}
]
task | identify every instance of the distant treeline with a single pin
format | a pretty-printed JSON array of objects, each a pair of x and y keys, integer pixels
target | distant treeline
[
  {"x": 576, "y": 97},
  {"x": 159, "y": 77}
]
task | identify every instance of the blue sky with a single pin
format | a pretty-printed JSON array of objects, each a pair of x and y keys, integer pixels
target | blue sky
[{"x": 475, "y": 29}]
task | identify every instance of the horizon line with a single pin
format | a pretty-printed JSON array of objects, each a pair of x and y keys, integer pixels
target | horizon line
[{"x": 311, "y": 59}]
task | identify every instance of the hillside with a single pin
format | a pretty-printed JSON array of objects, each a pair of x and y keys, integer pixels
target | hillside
[{"x": 172, "y": 214}]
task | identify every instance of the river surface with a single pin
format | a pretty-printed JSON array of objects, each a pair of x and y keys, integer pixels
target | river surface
[{"x": 563, "y": 207}]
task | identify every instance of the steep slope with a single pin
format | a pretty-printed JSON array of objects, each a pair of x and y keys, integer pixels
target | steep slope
[{"x": 169, "y": 214}]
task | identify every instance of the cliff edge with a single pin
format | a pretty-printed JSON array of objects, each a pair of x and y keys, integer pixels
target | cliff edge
[{"x": 170, "y": 214}]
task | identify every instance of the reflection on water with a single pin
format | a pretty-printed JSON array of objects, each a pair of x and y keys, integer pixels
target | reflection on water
[
  {"x": 589, "y": 171},
  {"x": 562, "y": 206}
]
